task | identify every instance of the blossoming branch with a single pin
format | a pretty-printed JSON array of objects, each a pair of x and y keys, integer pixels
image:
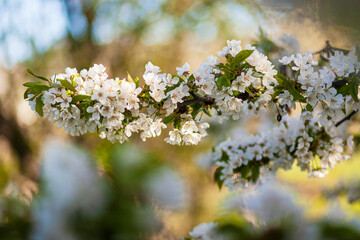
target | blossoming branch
[{"x": 241, "y": 82}]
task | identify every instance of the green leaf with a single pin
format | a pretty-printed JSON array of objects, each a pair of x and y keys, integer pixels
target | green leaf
[
  {"x": 55, "y": 85},
  {"x": 244, "y": 171},
  {"x": 207, "y": 112},
  {"x": 354, "y": 90},
  {"x": 39, "y": 77},
  {"x": 196, "y": 107},
  {"x": 282, "y": 80},
  {"x": 241, "y": 56},
  {"x": 168, "y": 119},
  {"x": 66, "y": 84},
  {"x": 296, "y": 94},
  {"x": 217, "y": 177},
  {"x": 79, "y": 98},
  {"x": 223, "y": 82},
  {"x": 191, "y": 78},
  {"x": 129, "y": 78},
  {"x": 32, "y": 84},
  {"x": 277, "y": 90},
  {"x": 344, "y": 90},
  {"x": 224, "y": 157},
  {"x": 177, "y": 122},
  {"x": 36, "y": 90},
  {"x": 136, "y": 81},
  {"x": 26, "y": 93},
  {"x": 255, "y": 173},
  {"x": 309, "y": 108},
  {"x": 39, "y": 106}
]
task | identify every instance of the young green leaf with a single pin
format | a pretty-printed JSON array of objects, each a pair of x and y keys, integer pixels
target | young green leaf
[
  {"x": 32, "y": 84},
  {"x": 241, "y": 56},
  {"x": 168, "y": 119},
  {"x": 223, "y": 82},
  {"x": 296, "y": 94},
  {"x": 282, "y": 80},
  {"x": 206, "y": 112},
  {"x": 129, "y": 78},
  {"x": 196, "y": 107},
  {"x": 39, "y": 77},
  {"x": 217, "y": 177},
  {"x": 244, "y": 171},
  {"x": 35, "y": 90},
  {"x": 39, "y": 106},
  {"x": 255, "y": 173},
  {"x": 66, "y": 84},
  {"x": 177, "y": 122},
  {"x": 136, "y": 81},
  {"x": 79, "y": 98},
  {"x": 354, "y": 92}
]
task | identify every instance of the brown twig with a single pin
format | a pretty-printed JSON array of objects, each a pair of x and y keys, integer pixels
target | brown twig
[
  {"x": 329, "y": 51},
  {"x": 345, "y": 118},
  {"x": 206, "y": 101},
  {"x": 182, "y": 107}
]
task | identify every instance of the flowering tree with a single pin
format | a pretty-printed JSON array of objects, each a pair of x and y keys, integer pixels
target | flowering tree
[{"x": 245, "y": 82}]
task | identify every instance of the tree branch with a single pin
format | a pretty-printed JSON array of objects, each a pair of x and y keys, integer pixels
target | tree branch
[
  {"x": 345, "y": 118},
  {"x": 182, "y": 107},
  {"x": 206, "y": 101},
  {"x": 329, "y": 51}
]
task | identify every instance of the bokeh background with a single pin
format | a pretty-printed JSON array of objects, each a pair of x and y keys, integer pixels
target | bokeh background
[{"x": 49, "y": 35}]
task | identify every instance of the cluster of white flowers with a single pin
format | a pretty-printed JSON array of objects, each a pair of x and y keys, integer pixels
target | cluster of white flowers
[
  {"x": 251, "y": 89},
  {"x": 190, "y": 133},
  {"x": 107, "y": 101},
  {"x": 89, "y": 101},
  {"x": 315, "y": 147},
  {"x": 345, "y": 65},
  {"x": 321, "y": 97}
]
